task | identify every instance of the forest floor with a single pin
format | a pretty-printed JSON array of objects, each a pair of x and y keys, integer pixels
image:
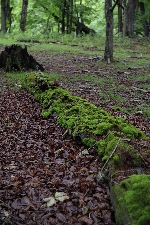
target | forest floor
[{"x": 36, "y": 163}]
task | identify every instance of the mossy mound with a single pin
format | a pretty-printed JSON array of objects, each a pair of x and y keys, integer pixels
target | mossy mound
[
  {"x": 132, "y": 200},
  {"x": 85, "y": 121}
]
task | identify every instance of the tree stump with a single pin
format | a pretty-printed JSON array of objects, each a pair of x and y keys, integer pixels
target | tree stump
[{"x": 16, "y": 58}]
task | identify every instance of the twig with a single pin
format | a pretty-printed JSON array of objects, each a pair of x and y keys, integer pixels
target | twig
[
  {"x": 139, "y": 89},
  {"x": 111, "y": 155}
]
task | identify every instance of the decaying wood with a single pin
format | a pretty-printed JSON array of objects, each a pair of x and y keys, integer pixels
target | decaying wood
[{"x": 16, "y": 58}]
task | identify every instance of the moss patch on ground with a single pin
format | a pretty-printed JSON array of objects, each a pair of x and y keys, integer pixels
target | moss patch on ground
[
  {"x": 132, "y": 200},
  {"x": 87, "y": 124}
]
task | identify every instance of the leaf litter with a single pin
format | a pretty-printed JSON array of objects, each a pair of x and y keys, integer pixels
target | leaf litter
[{"x": 33, "y": 176}]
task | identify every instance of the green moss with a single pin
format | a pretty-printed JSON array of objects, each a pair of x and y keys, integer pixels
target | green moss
[
  {"x": 122, "y": 153},
  {"x": 130, "y": 131},
  {"x": 79, "y": 115},
  {"x": 89, "y": 142},
  {"x": 133, "y": 195}
]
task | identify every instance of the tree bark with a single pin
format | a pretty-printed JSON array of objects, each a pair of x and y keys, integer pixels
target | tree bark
[
  {"x": 8, "y": 14},
  {"x": 145, "y": 22},
  {"x": 24, "y": 15},
  {"x": 120, "y": 24},
  {"x": 63, "y": 17},
  {"x": 71, "y": 16},
  {"x": 3, "y": 16},
  {"x": 108, "y": 54},
  {"x": 129, "y": 14}
]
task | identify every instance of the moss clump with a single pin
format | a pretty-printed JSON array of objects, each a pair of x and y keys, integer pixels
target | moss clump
[
  {"x": 123, "y": 153},
  {"x": 74, "y": 111},
  {"x": 90, "y": 142},
  {"x": 133, "y": 200}
]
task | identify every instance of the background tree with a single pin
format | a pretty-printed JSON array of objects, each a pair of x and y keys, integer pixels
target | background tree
[
  {"x": 130, "y": 9},
  {"x": 144, "y": 16},
  {"x": 67, "y": 16},
  {"x": 120, "y": 22},
  {"x": 108, "y": 54},
  {"x": 5, "y": 15},
  {"x": 24, "y": 15}
]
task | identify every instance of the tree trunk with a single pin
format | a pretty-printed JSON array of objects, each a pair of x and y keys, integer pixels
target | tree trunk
[
  {"x": 63, "y": 17},
  {"x": 71, "y": 16},
  {"x": 145, "y": 22},
  {"x": 8, "y": 14},
  {"x": 67, "y": 16},
  {"x": 129, "y": 14},
  {"x": 3, "y": 16},
  {"x": 120, "y": 24},
  {"x": 108, "y": 54},
  {"x": 125, "y": 18},
  {"x": 24, "y": 15}
]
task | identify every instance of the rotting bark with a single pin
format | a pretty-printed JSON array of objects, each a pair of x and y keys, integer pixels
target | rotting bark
[{"x": 16, "y": 58}]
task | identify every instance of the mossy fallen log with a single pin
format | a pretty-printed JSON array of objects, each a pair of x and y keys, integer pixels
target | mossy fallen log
[{"x": 86, "y": 123}]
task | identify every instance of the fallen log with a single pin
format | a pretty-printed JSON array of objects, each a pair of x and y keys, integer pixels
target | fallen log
[{"x": 16, "y": 58}]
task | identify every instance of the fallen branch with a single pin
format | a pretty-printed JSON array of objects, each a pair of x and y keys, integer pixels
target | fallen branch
[
  {"x": 139, "y": 89},
  {"x": 111, "y": 155}
]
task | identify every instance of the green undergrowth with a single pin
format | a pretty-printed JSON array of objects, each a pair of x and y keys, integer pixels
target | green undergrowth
[
  {"x": 132, "y": 200},
  {"x": 84, "y": 120}
]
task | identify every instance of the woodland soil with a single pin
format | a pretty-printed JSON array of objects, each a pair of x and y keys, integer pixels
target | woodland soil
[{"x": 35, "y": 160}]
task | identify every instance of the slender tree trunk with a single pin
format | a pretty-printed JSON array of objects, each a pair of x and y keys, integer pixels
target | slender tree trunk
[
  {"x": 108, "y": 54},
  {"x": 120, "y": 24},
  {"x": 67, "y": 16},
  {"x": 63, "y": 17},
  {"x": 70, "y": 16},
  {"x": 8, "y": 13},
  {"x": 24, "y": 15},
  {"x": 3, "y": 16}
]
